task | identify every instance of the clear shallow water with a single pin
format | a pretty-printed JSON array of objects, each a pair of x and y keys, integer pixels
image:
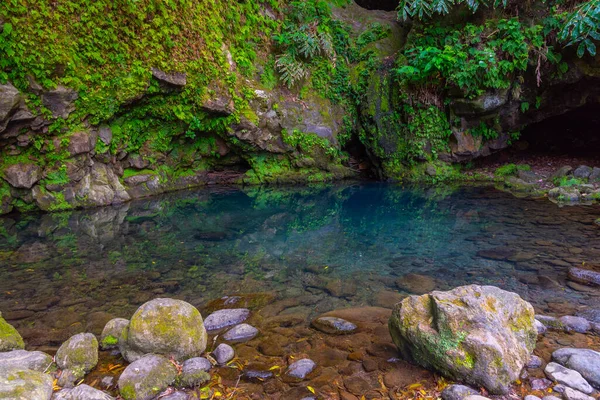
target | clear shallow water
[{"x": 310, "y": 249}]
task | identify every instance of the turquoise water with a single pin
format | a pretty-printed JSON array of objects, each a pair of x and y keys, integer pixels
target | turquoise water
[{"x": 344, "y": 245}]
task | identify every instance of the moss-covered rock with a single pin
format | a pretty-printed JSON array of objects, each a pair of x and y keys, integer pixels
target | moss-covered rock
[
  {"x": 478, "y": 334},
  {"x": 109, "y": 339},
  {"x": 24, "y": 384},
  {"x": 10, "y": 339},
  {"x": 166, "y": 326},
  {"x": 23, "y": 359},
  {"x": 145, "y": 378},
  {"x": 79, "y": 354}
]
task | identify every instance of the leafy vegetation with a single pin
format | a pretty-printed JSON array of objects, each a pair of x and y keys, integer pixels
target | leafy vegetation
[{"x": 511, "y": 169}]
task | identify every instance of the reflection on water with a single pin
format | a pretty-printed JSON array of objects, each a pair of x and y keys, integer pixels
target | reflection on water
[{"x": 345, "y": 245}]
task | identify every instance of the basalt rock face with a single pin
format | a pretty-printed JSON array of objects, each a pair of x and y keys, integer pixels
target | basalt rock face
[{"x": 478, "y": 334}]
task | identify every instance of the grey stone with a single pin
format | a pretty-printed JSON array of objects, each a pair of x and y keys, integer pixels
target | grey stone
[
  {"x": 457, "y": 392},
  {"x": 485, "y": 322},
  {"x": 22, "y": 176},
  {"x": 567, "y": 377},
  {"x": 576, "y": 324},
  {"x": 430, "y": 170},
  {"x": 550, "y": 322},
  {"x": 105, "y": 134},
  {"x": 175, "y": 79},
  {"x": 165, "y": 326},
  {"x": 584, "y": 276},
  {"x": 534, "y": 362},
  {"x": 81, "y": 392},
  {"x": 584, "y": 361},
  {"x": 23, "y": 359},
  {"x": 529, "y": 176},
  {"x": 333, "y": 325},
  {"x": 146, "y": 377},
  {"x": 60, "y": 101},
  {"x": 540, "y": 384},
  {"x": 24, "y": 384},
  {"x": 562, "y": 171},
  {"x": 240, "y": 333},
  {"x": 582, "y": 172},
  {"x": 572, "y": 394},
  {"x": 301, "y": 368},
  {"x": 79, "y": 143},
  {"x": 594, "y": 176},
  {"x": 531, "y": 397},
  {"x": 476, "y": 397},
  {"x": 176, "y": 396},
  {"x": 223, "y": 353},
  {"x": 551, "y": 398},
  {"x": 78, "y": 354},
  {"x": 10, "y": 98},
  {"x": 224, "y": 318},
  {"x": 112, "y": 332},
  {"x": 591, "y": 314},
  {"x": 540, "y": 327},
  {"x": 194, "y": 372}
]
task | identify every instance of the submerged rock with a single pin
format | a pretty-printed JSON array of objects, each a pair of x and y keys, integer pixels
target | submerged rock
[
  {"x": 567, "y": 377},
  {"x": 24, "y": 384},
  {"x": 458, "y": 392},
  {"x": 240, "y": 333},
  {"x": 10, "y": 339},
  {"x": 480, "y": 334},
  {"x": 224, "y": 318},
  {"x": 23, "y": 359},
  {"x": 576, "y": 324},
  {"x": 415, "y": 283},
  {"x": 81, "y": 392},
  {"x": 584, "y": 276},
  {"x": 145, "y": 378},
  {"x": 584, "y": 361},
  {"x": 223, "y": 353},
  {"x": 164, "y": 326},
  {"x": 301, "y": 368},
  {"x": 333, "y": 325},
  {"x": 109, "y": 339}
]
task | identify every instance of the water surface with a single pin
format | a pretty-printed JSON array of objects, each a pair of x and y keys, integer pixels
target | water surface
[{"x": 343, "y": 245}]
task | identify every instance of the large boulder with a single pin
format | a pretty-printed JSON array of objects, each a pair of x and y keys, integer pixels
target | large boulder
[
  {"x": 478, "y": 334},
  {"x": 60, "y": 101},
  {"x": 79, "y": 354},
  {"x": 23, "y": 359},
  {"x": 24, "y": 384},
  {"x": 145, "y": 378},
  {"x": 584, "y": 361},
  {"x": 164, "y": 326},
  {"x": 22, "y": 176},
  {"x": 9, "y": 337}
]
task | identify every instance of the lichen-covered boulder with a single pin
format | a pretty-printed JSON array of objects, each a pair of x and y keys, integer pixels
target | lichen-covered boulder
[
  {"x": 23, "y": 359},
  {"x": 24, "y": 384},
  {"x": 79, "y": 354},
  {"x": 145, "y": 378},
  {"x": 109, "y": 339},
  {"x": 482, "y": 335},
  {"x": 9, "y": 337},
  {"x": 165, "y": 326}
]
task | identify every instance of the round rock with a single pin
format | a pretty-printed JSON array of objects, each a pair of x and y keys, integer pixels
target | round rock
[
  {"x": 166, "y": 326},
  {"x": 78, "y": 354},
  {"x": 575, "y": 324},
  {"x": 223, "y": 353},
  {"x": 223, "y": 318},
  {"x": 240, "y": 333},
  {"x": 458, "y": 392},
  {"x": 145, "y": 378},
  {"x": 333, "y": 325},
  {"x": 584, "y": 361},
  {"x": 23, "y": 359},
  {"x": 109, "y": 339},
  {"x": 24, "y": 384},
  {"x": 194, "y": 372},
  {"x": 567, "y": 377},
  {"x": 81, "y": 392},
  {"x": 10, "y": 339},
  {"x": 301, "y": 368}
]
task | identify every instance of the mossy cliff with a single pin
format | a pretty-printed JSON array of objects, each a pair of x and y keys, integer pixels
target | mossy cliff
[{"x": 102, "y": 102}]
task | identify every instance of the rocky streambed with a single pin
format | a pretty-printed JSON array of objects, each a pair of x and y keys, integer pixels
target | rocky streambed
[{"x": 426, "y": 346}]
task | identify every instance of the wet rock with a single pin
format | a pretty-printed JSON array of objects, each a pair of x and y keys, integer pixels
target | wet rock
[
  {"x": 24, "y": 384},
  {"x": 582, "y": 172},
  {"x": 23, "y": 359},
  {"x": 10, "y": 339},
  {"x": 301, "y": 368},
  {"x": 565, "y": 194},
  {"x": 572, "y": 394},
  {"x": 415, "y": 283},
  {"x": 550, "y": 322},
  {"x": 223, "y": 353},
  {"x": 476, "y": 397},
  {"x": 165, "y": 326},
  {"x": 540, "y": 384},
  {"x": 146, "y": 377},
  {"x": 498, "y": 253},
  {"x": 357, "y": 385},
  {"x": 333, "y": 325},
  {"x": 477, "y": 324},
  {"x": 567, "y": 377},
  {"x": 531, "y": 397},
  {"x": 540, "y": 327},
  {"x": 22, "y": 176},
  {"x": 81, "y": 392},
  {"x": 591, "y": 314},
  {"x": 60, "y": 101},
  {"x": 534, "y": 362},
  {"x": 194, "y": 372},
  {"x": 256, "y": 375},
  {"x": 594, "y": 176},
  {"x": 584, "y": 361},
  {"x": 585, "y": 276},
  {"x": 109, "y": 339},
  {"x": 562, "y": 171},
  {"x": 240, "y": 333},
  {"x": 551, "y": 398},
  {"x": 575, "y": 324},
  {"x": 174, "y": 79},
  {"x": 458, "y": 392},
  {"x": 79, "y": 354},
  {"x": 224, "y": 318},
  {"x": 176, "y": 396},
  {"x": 529, "y": 176}
]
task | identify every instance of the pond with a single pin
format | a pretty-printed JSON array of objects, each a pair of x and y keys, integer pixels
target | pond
[{"x": 300, "y": 251}]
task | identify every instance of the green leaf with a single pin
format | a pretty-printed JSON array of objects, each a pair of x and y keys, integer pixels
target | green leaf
[{"x": 581, "y": 50}]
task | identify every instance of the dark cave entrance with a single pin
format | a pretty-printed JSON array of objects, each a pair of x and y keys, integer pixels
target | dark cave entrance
[
  {"x": 385, "y": 5},
  {"x": 574, "y": 134}
]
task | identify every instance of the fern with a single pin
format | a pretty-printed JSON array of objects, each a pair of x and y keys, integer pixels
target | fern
[
  {"x": 583, "y": 26},
  {"x": 291, "y": 69},
  {"x": 423, "y": 9}
]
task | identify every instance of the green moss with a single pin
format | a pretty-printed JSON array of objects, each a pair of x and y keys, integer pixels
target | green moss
[
  {"x": 511, "y": 169},
  {"x": 10, "y": 339},
  {"x": 109, "y": 341},
  {"x": 129, "y": 172}
]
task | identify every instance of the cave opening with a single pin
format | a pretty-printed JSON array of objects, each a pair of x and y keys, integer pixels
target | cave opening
[
  {"x": 384, "y": 5},
  {"x": 575, "y": 133}
]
